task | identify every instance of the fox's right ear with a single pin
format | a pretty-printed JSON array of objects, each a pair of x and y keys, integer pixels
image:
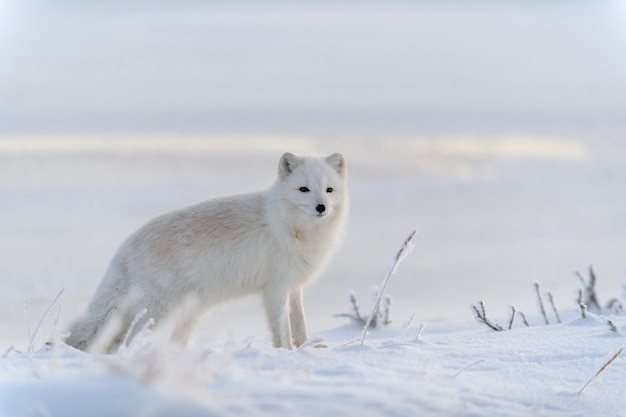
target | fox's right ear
[
  {"x": 288, "y": 162},
  {"x": 338, "y": 163}
]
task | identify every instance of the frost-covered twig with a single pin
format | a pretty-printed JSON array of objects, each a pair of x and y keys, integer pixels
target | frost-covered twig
[
  {"x": 523, "y": 316},
  {"x": 610, "y": 361},
  {"x": 355, "y": 306},
  {"x": 6, "y": 353},
  {"x": 541, "y": 306},
  {"x": 405, "y": 327},
  {"x": 385, "y": 312},
  {"x": 512, "y": 317},
  {"x": 581, "y": 304},
  {"x": 30, "y": 338},
  {"x": 554, "y": 310},
  {"x": 419, "y": 332},
  {"x": 615, "y": 306},
  {"x": 591, "y": 299},
  {"x": 481, "y": 316},
  {"x": 374, "y": 293},
  {"x": 612, "y": 326},
  {"x": 406, "y": 248}
]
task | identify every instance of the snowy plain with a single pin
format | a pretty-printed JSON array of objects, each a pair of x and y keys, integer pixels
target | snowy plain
[
  {"x": 496, "y": 130},
  {"x": 450, "y": 369}
]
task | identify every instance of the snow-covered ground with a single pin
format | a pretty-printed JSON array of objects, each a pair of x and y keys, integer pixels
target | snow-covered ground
[
  {"x": 452, "y": 368},
  {"x": 494, "y": 129}
]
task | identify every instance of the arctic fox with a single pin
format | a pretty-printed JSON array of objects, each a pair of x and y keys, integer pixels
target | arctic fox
[{"x": 270, "y": 242}]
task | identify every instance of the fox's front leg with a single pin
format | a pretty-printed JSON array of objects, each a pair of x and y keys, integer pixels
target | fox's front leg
[
  {"x": 277, "y": 309},
  {"x": 296, "y": 317}
]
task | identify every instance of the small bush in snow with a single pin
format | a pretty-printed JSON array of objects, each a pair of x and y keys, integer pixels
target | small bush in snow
[
  {"x": 481, "y": 316},
  {"x": 586, "y": 300},
  {"x": 381, "y": 312}
]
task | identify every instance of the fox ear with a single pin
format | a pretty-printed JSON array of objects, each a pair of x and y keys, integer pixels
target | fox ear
[
  {"x": 288, "y": 162},
  {"x": 337, "y": 162}
]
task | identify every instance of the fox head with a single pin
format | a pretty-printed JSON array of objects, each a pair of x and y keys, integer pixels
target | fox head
[{"x": 312, "y": 189}]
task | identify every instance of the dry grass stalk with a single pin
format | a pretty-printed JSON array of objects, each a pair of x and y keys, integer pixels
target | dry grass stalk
[
  {"x": 554, "y": 310},
  {"x": 615, "y": 306},
  {"x": 466, "y": 367},
  {"x": 542, "y": 308},
  {"x": 419, "y": 332},
  {"x": 512, "y": 317},
  {"x": 405, "y": 327},
  {"x": 32, "y": 341},
  {"x": 355, "y": 306},
  {"x": 8, "y": 351},
  {"x": 581, "y": 304},
  {"x": 606, "y": 365},
  {"x": 30, "y": 338},
  {"x": 406, "y": 248},
  {"x": 385, "y": 312},
  {"x": 523, "y": 316}
]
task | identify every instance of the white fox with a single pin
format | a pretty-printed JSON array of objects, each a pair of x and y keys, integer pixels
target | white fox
[{"x": 270, "y": 242}]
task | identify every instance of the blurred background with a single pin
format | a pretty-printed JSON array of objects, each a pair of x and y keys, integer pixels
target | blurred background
[{"x": 494, "y": 128}]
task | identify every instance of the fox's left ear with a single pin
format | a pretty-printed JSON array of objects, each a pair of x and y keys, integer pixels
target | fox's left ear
[{"x": 338, "y": 163}]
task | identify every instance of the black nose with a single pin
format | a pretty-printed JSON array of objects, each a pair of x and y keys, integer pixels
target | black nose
[{"x": 320, "y": 208}]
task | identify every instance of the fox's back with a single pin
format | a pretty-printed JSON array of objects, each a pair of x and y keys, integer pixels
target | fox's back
[{"x": 201, "y": 246}]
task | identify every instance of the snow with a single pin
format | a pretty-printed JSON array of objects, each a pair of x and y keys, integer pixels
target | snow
[
  {"x": 453, "y": 368},
  {"x": 493, "y": 129}
]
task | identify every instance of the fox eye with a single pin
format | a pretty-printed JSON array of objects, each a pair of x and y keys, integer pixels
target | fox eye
[
  {"x": 329, "y": 190},
  {"x": 304, "y": 189}
]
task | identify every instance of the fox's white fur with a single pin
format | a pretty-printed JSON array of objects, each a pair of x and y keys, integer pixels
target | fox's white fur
[{"x": 269, "y": 242}]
